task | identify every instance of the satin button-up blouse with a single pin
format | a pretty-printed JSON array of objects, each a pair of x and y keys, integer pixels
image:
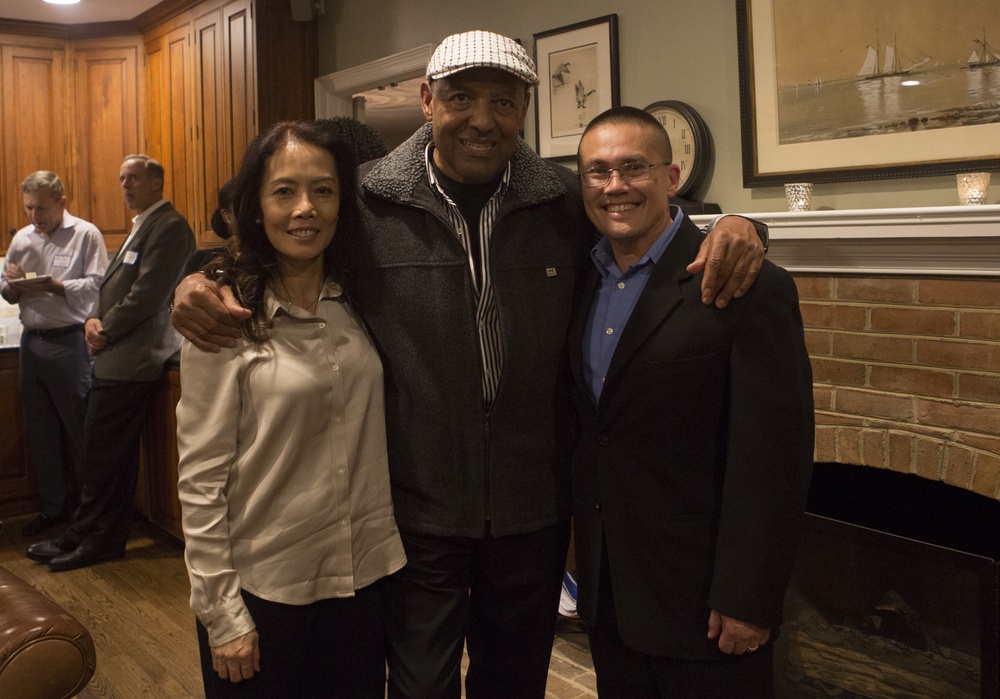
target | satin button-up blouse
[{"x": 283, "y": 474}]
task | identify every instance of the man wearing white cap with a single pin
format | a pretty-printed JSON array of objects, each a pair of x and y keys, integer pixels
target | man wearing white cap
[{"x": 468, "y": 260}]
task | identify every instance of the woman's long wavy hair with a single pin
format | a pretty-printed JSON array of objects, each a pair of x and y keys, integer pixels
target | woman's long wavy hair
[
  {"x": 250, "y": 263},
  {"x": 218, "y": 221}
]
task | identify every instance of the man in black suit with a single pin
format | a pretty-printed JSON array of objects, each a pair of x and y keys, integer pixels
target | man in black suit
[
  {"x": 691, "y": 473},
  {"x": 129, "y": 335}
]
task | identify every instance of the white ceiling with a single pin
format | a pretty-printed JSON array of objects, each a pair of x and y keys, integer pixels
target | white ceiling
[{"x": 84, "y": 12}]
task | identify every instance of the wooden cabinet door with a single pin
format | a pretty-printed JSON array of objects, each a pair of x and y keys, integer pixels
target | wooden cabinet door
[
  {"x": 239, "y": 75},
  {"x": 35, "y": 117},
  {"x": 287, "y": 58},
  {"x": 156, "y": 493},
  {"x": 169, "y": 129},
  {"x": 107, "y": 89},
  {"x": 226, "y": 95},
  {"x": 17, "y": 493},
  {"x": 209, "y": 117}
]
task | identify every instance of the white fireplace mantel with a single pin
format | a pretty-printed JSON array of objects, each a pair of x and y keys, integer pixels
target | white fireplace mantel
[{"x": 946, "y": 240}]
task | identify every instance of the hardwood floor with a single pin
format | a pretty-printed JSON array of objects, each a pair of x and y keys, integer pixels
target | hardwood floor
[
  {"x": 135, "y": 608},
  {"x": 137, "y": 611}
]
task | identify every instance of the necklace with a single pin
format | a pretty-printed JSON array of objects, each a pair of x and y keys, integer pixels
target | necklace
[{"x": 311, "y": 307}]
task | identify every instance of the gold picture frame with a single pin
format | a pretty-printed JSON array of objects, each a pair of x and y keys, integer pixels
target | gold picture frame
[{"x": 827, "y": 93}]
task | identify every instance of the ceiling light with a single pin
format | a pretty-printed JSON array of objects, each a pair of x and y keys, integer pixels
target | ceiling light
[{"x": 62, "y": 2}]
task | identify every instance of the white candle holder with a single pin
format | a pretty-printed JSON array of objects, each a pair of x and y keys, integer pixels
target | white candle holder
[
  {"x": 799, "y": 196},
  {"x": 973, "y": 187}
]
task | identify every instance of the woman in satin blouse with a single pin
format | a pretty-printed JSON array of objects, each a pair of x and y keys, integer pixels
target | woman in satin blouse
[{"x": 284, "y": 482}]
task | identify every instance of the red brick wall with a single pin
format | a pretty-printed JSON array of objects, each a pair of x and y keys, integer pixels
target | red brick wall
[{"x": 906, "y": 375}]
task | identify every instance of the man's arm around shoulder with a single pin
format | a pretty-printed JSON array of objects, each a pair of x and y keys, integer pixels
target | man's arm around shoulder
[
  {"x": 207, "y": 313},
  {"x": 730, "y": 256}
]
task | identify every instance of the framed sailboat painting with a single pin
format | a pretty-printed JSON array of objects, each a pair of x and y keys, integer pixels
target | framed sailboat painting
[{"x": 868, "y": 89}]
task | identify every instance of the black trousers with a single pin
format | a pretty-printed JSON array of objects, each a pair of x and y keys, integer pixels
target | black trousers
[
  {"x": 54, "y": 379},
  {"x": 116, "y": 412},
  {"x": 330, "y": 649},
  {"x": 624, "y": 673},
  {"x": 499, "y": 596}
]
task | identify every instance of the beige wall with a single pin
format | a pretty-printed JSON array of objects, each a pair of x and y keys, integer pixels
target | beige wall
[{"x": 670, "y": 49}]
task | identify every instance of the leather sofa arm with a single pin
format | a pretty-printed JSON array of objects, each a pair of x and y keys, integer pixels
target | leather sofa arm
[{"x": 45, "y": 653}]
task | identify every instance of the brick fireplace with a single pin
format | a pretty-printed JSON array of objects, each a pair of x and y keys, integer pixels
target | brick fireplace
[
  {"x": 895, "y": 588},
  {"x": 902, "y": 316},
  {"x": 907, "y": 374}
]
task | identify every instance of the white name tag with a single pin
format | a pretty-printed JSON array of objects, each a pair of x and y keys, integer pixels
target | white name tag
[
  {"x": 130, "y": 257},
  {"x": 61, "y": 260}
]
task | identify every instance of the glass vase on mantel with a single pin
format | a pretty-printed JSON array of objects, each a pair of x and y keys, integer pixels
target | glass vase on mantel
[
  {"x": 799, "y": 196},
  {"x": 973, "y": 188}
]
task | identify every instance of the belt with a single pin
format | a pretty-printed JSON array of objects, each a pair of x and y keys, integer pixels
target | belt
[{"x": 53, "y": 333}]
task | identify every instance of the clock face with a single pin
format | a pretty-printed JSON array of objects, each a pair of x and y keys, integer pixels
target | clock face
[{"x": 689, "y": 140}]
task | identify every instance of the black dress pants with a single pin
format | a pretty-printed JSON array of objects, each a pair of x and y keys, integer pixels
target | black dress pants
[
  {"x": 500, "y": 596},
  {"x": 330, "y": 649},
  {"x": 116, "y": 413},
  {"x": 54, "y": 379}
]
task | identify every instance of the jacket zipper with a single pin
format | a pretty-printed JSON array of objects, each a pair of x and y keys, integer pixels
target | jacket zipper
[
  {"x": 486, "y": 459},
  {"x": 486, "y": 414}
]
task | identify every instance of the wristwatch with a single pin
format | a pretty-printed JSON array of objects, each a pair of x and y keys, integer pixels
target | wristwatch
[{"x": 762, "y": 231}]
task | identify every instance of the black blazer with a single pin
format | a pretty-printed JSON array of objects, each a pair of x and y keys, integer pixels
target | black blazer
[
  {"x": 134, "y": 302},
  {"x": 694, "y": 467}
]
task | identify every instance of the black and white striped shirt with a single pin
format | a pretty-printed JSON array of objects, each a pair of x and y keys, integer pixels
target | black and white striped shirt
[{"x": 487, "y": 317}]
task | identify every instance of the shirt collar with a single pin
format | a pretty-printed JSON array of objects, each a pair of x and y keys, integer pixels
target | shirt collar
[
  {"x": 138, "y": 220},
  {"x": 275, "y": 306},
  {"x": 604, "y": 258},
  {"x": 68, "y": 221}
]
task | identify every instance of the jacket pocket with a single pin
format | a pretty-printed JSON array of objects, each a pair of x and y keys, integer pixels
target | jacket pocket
[{"x": 688, "y": 365}]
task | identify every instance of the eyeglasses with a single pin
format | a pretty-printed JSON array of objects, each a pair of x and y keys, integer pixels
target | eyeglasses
[{"x": 628, "y": 172}]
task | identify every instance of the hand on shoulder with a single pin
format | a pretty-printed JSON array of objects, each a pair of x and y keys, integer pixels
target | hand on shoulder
[{"x": 206, "y": 313}]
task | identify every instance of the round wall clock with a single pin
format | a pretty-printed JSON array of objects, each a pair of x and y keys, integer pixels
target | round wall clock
[{"x": 690, "y": 141}]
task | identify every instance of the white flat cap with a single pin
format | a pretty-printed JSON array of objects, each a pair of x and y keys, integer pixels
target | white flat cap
[{"x": 479, "y": 49}]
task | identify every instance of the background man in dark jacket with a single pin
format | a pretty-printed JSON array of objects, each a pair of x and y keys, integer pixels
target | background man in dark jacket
[
  {"x": 692, "y": 469},
  {"x": 468, "y": 264}
]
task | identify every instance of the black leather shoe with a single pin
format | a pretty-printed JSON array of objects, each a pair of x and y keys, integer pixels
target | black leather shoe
[
  {"x": 45, "y": 551},
  {"x": 42, "y": 523},
  {"x": 82, "y": 556}
]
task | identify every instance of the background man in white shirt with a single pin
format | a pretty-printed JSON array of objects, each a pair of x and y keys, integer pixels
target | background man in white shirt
[{"x": 53, "y": 271}]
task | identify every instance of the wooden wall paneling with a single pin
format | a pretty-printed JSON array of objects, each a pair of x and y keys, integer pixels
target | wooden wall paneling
[
  {"x": 17, "y": 493},
  {"x": 168, "y": 13},
  {"x": 180, "y": 82},
  {"x": 226, "y": 111},
  {"x": 287, "y": 60},
  {"x": 108, "y": 126},
  {"x": 168, "y": 106},
  {"x": 36, "y": 118},
  {"x": 215, "y": 72},
  {"x": 240, "y": 80},
  {"x": 208, "y": 118},
  {"x": 157, "y": 100},
  {"x": 156, "y": 494}
]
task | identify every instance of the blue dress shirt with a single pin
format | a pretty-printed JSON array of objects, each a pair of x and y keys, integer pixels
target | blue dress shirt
[{"x": 616, "y": 298}]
